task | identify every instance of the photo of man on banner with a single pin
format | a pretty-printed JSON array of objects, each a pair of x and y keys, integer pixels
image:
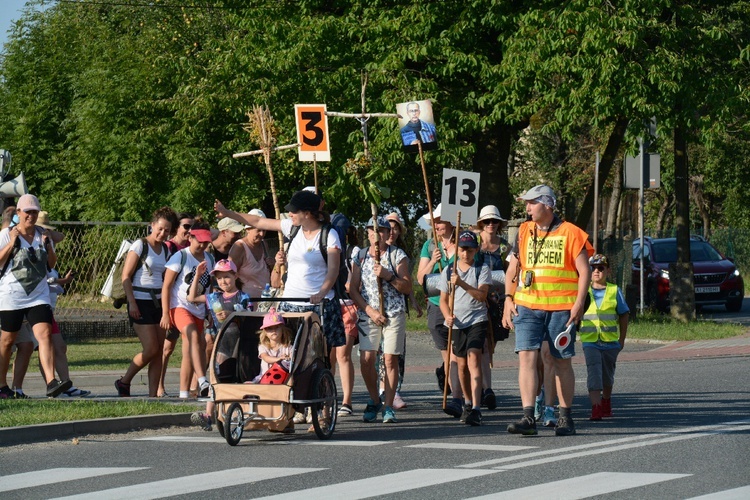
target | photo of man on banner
[{"x": 417, "y": 124}]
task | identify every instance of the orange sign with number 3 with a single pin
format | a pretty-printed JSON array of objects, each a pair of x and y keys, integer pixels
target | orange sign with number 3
[{"x": 312, "y": 132}]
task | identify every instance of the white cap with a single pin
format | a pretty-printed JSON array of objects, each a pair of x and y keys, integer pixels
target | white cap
[{"x": 258, "y": 212}]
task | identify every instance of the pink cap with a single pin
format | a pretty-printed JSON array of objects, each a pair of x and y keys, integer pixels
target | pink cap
[
  {"x": 272, "y": 319},
  {"x": 224, "y": 265},
  {"x": 28, "y": 202},
  {"x": 202, "y": 235}
]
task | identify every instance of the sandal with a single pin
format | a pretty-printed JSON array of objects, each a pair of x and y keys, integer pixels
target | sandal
[{"x": 123, "y": 389}]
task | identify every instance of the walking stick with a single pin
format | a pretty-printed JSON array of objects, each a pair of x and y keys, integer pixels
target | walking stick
[
  {"x": 429, "y": 199},
  {"x": 451, "y": 302}
]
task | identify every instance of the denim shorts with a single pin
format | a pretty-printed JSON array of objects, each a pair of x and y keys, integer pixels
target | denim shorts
[{"x": 534, "y": 326}]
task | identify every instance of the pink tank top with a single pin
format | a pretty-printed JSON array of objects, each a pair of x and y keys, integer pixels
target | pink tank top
[{"x": 254, "y": 273}]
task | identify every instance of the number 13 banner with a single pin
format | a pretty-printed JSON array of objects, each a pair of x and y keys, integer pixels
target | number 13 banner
[
  {"x": 312, "y": 132},
  {"x": 460, "y": 194}
]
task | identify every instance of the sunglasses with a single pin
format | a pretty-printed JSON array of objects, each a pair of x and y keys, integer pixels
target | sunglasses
[
  {"x": 491, "y": 221},
  {"x": 601, "y": 269},
  {"x": 187, "y": 227}
]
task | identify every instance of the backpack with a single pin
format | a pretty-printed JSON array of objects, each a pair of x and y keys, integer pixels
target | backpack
[
  {"x": 340, "y": 223},
  {"x": 14, "y": 251},
  {"x": 118, "y": 292}
]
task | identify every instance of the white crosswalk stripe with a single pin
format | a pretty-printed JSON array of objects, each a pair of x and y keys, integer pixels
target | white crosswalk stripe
[
  {"x": 471, "y": 447},
  {"x": 742, "y": 493},
  {"x": 383, "y": 485},
  {"x": 51, "y": 476},
  {"x": 576, "y": 488},
  {"x": 192, "y": 484},
  {"x": 273, "y": 440}
]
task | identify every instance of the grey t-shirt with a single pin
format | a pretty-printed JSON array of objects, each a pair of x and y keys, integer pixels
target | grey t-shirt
[{"x": 467, "y": 310}]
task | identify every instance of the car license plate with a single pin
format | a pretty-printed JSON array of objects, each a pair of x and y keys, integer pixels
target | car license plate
[{"x": 707, "y": 289}]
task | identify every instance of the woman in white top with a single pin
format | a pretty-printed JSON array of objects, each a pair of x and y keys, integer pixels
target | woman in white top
[
  {"x": 308, "y": 274},
  {"x": 142, "y": 277},
  {"x": 25, "y": 253},
  {"x": 187, "y": 316}
]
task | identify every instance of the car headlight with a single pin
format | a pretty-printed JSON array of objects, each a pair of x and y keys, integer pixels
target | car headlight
[
  {"x": 664, "y": 274},
  {"x": 736, "y": 273}
]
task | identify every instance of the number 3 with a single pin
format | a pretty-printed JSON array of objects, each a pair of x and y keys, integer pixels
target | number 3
[{"x": 312, "y": 118}]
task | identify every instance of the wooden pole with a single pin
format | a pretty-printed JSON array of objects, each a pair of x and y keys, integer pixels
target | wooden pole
[
  {"x": 451, "y": 302},
  {"x": 429, "y": 199},
  {"x": 315, "y": 174}
]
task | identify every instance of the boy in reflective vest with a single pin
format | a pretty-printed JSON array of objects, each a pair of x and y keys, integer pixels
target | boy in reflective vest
[{"x": 600, "y": 338}]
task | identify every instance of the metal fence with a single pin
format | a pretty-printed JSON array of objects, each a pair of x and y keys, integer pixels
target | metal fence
[{"x": 90, "y": 248}]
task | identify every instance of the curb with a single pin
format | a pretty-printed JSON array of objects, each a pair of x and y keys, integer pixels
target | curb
[{"x": 64, "y": 430}]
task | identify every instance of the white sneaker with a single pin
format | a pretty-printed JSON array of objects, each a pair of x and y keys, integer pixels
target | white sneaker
[
  {"x": 398, "y": 402},
  {"x": 299, "y": 418}
]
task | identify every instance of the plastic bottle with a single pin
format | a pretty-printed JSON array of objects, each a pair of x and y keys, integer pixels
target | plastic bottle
[{"x": 266, "y": 293}]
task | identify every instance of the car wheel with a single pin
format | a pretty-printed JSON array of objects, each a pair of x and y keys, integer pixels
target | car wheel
[{"x": 734, "y": 305}]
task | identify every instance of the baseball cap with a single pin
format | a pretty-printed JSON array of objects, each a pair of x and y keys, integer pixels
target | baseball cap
[
  {"x": 28, "y": 202},
  {"x": 224, "y": 265},
  {"x": 541, "y": 193},
  {"x": 258, "y": 212},
  {"x": 382, "y": 223},
  {"x": 229, "y": 224},
  {"x": 468, "y": 239},
  {"x": 272, "y": 318},
  {"x": 304, "y": 201},
  {"x": 490, "y": 212},
  {"x": 202, "y": 235},
  {"x": 599, "y": 259}
]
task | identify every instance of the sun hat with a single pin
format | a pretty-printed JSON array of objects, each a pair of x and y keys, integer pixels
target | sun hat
[
  {"x": 28, "y": 202},
  {"x": 490, "y": 212},
  {"x": 394, "y": 217},
  {"x": 43, "y": 220},
  {"x": 424, "y": 221},
  {"x": 541, "y": 193},
  {"x": 304, "y": 201},
  {"x": 229, "y": 224},
  {"x": 272, "y": 318},
  {"x": 258, "y": 212},
  {"x": 202, "y": 235},
  {"x": 224, "y": 266},
  {"x": 468, "y": 239}
]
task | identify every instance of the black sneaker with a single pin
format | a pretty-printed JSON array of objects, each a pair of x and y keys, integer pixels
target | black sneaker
[
  {"x": 474, "y": 418},
  {"x": 6, "y": 393},
  {"x": 56, "y": 387},
  {"x": 565, "y": 427},
  {"x": 204, "y": 389},
  {"x": 123, "y": 389},
  {"x": 526, "y": 426},
  {"x": 440, "y": 374},
  {"x": 465, "y": 414},
  {"x": 453, "y": 409},
  {"x": 489, "y": 400}
]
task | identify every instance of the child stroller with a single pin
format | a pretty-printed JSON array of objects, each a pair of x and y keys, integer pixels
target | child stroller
[{"x": 242, "y": 405}]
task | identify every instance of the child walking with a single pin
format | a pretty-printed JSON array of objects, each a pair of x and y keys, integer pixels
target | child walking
[
  {"x": 220, "y": 304},
  {"x": 600, "y": 338},
  {"x": 469, "y": 321}
]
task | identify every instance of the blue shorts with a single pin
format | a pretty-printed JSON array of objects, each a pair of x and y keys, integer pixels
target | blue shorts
[{"x": 534, "y": 326}]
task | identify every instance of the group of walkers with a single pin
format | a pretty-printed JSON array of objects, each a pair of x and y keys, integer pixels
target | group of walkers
[{"x": 168, "y": 278}]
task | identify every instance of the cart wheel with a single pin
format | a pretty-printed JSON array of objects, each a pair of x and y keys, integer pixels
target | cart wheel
[
  {"x": 324, "y": 414},
  {"x": 234, "y": 424},
  {"x": 215, "y": 419}
]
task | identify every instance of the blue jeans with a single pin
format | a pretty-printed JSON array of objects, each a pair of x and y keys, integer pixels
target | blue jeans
[{"x": 534, "y": 326}]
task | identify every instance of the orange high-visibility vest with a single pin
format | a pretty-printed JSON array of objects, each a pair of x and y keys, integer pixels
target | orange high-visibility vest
[{"x": 551, "y": 256}]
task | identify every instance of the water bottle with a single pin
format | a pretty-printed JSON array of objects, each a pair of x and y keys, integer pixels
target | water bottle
[
  {"x": 266, "y": 293},
  {"x": 216, "y": 306}
]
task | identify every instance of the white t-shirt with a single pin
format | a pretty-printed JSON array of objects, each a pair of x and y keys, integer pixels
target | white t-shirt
[
  {"x": 156, "y": 262},
  {"x": 179, "y": 291},
  {"x": 306, "y": 267},
  {"x": 12, "y": 294}
]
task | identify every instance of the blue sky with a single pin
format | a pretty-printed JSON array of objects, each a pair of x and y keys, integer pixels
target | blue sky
[{"x": 9, "y": 12}]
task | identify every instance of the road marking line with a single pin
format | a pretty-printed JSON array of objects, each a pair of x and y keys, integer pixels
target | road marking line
[
  {"x": 339, "y": 443},
  {"x": 576, "y": 488},
  {"x": 741, "y": 493},
  {"x": 470, "y": 447},
  {"x": 191, "y": 484},
  {"x": 692, "y": 432},
  {"x": 382, "y": 485},
  {"x": 185, "y": 439},
  {"x": 270, "y": 439},
  {"x": 52, "y": 476}
]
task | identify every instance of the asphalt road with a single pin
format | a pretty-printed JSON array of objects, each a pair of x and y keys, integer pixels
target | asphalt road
[{"x": 681, "y": 430}]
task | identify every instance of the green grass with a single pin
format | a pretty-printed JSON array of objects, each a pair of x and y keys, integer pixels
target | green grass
[
  {"x": 110, "y": 354},
  {"x": 655, "y": 326},
  {"x": 30, "y": 412}
]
